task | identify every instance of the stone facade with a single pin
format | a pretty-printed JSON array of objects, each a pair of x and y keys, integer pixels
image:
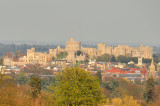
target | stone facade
[
  {"x": 36, "y": 57},
  {"x": 140, "y": 62},
  {"x": 32, "y": 57},
  {"x": 54, "y": 52},
  {"x": 73, "y": 46},
  {"x": 125, "y": 50}
]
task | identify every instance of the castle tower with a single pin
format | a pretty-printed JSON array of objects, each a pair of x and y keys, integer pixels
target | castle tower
[
  {"x": 73, "y": 45},
  {"x": 140, "y": 63},
  {"x": 71, "y": 57},
  {"x": 152, "y": 70},
  {"x": 102, "y": 48}
]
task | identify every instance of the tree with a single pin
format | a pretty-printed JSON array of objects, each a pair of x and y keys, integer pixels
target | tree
[
  {"x": 77, "y": 87},
  {"x": 149, "y": 90},
  {"x": 9, "y": 92},
  {"x": 62, "y": 55},
  {"x": 122, "y": 59},
  {"x": 86, "y": 61},
  {"x": 87, "y": 56},
  {"x": 22, "y": 79},
  {"x": 1, "y": 61},
  {"x": 98, "y": 74},
  {"x": 125, "y": 59},
  {"x": 155, "y": 58},
  {"x": 131, "y": 66},
  {"x": 121, "y": 87},
  {"x": 111, "y": 86},
  {"x": 47, "y": 81},
  {"x": 104, "y": 58},
  {"x": 36, "y": 86},
  {"x": 78, "y": 53},
  {"x": 113, "y": 59},
  {"x": 127, "y": 101},
  {"x": 146, "y": 60},
  {"x": 53, "y": 58}
]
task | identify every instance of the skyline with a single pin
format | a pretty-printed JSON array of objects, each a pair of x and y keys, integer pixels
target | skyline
[
  {"x": 92, "y": 21},
  {"x": 62, "y": 43}
]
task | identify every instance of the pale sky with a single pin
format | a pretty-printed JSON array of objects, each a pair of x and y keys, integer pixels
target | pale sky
[{"x": 127, "y": 21}]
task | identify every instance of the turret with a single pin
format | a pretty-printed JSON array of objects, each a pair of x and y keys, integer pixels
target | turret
[{"x": 152, "y": 70}]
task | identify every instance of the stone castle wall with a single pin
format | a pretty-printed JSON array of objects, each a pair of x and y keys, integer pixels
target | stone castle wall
[{"x": 73, "y": 46}]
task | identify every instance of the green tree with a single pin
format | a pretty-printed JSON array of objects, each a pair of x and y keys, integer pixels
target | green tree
[
  {"x": 1, "y": 61},
  {"x": 1, "y": 75},
  {"x": 155, "y": 58},
  {"x": 87, "y": 56},
  {"x": 111, "y": 86},
  {"x": 149, "y": 90},
  {"x": 22, "y": 79},
  {"x": 78, "y": 53},
  {"x": 131, "y": 66},
  {"x": 77, "y": 63},
  {"x": 62, "y": 55},
  {"x": 122, "y": 59},
  {"x": 113, "y": 59},
  {"x": 77, "y": 87},
  {"x": 47, "y": 81},
  {"x": 53, "y": 58},
  {"x": 98, "y": 74},
  {"x": 86, "y": 61},
  {"x": 146, "y": 60},
  {"x": 35, "y": 83},
  {"x": 104, "y": 58},
  {"x": 125, "y": 59}
]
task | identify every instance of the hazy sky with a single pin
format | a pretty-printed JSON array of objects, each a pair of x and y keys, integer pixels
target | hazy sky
[{"x": 129, "y": 21}]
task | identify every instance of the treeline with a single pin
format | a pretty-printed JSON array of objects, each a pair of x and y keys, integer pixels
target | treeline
[
  {"x": 29, "y": 94},
  {"x": 76, "y": 87},
  {"x": 124, "y": 59},
  {"x": 4, "y": 48},
  {"x": 123, "y": 92}
]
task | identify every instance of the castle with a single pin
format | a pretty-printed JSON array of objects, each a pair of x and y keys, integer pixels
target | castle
[
  {"x": 73, "y": 46},
  {"x": 32, "y": 57}
]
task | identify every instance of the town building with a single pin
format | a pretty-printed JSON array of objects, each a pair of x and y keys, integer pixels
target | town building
[
  {"x": 32, "y": 57},
  {"x": 152, "y": 70}
]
